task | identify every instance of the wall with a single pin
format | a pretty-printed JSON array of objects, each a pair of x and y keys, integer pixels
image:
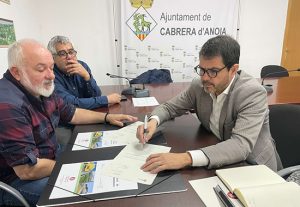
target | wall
[
  {"x": 25, "y": 23},
  {"x": 262, "y": 25},
  {"x": 90, "y": 24}
]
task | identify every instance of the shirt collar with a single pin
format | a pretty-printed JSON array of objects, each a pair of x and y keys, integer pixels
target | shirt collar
[{"x": 226, "y": 91}]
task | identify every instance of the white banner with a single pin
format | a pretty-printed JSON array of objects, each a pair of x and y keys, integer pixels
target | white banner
[{"x": 169, "y": 34}]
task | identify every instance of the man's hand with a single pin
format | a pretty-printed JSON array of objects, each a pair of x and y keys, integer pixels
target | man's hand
[
  {"x": 166, "y": 161},
  {"x": 114, "y": 98},
  {"x": 74, "y": 67},
  {"x": 151, "y": 128},
  {"x": 116, "y": 119}
]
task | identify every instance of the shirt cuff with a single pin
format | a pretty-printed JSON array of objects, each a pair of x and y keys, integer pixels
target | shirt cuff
[
  {"x": 199, "y": 158},
  {"x": 156, "y": 118},
  {"x": 105, "y": 98}
]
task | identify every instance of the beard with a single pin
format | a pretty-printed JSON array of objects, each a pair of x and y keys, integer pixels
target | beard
[
  {"x": 45, "y": 89},
  {"x": 211, "y": 89},
  {"x": 215, "y": 89}
]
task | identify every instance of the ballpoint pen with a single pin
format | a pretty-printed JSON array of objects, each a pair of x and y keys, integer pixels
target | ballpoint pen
[
  {"x": 222, "y": 196},
  {"x": 145, "y": 128}
]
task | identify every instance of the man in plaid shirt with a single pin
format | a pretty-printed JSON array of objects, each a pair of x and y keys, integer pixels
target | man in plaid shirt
[{"x": 29, "y": 113}]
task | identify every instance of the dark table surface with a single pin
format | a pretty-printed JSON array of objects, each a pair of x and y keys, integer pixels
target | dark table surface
[{"x": 182, "y": 134}]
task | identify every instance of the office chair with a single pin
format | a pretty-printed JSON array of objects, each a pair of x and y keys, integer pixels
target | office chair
[
  {"x": 284, "y": 127},
  {"x": 14, "y": 192},
  {"x": 273, "y": 71}
]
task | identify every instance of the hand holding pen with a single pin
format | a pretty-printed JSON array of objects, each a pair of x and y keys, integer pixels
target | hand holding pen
[{"x": 145, "y": 131}]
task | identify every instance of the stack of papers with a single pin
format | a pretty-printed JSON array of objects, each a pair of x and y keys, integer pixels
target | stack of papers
[
  {"x": 99, "y": 139},
  {"x": 128, "y": 162},
  {"x": 85, "y": 178},
  {"x": 121, "y": 173},
  {"x": 126, "y": 165}
]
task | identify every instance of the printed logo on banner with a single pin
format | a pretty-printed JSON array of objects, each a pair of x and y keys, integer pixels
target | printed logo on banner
[
  {"x": 141, "y": 23},
  {"x": 145, "y": 3}
]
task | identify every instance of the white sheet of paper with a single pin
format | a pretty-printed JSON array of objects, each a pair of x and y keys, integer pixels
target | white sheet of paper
[
  {"x": 99, "y": 139},
  {"x": 127, "y": 163},
  {"x": 85, "y": 178},
  {"x": 125, "y": 135},
  {"x": 147, "y": 101}
]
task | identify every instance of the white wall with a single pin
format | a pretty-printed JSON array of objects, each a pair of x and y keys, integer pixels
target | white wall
[
  {"x": 262, "y": 26},
  {"x": 90, "y": 25},
  {"x": 25, "y": 23}
]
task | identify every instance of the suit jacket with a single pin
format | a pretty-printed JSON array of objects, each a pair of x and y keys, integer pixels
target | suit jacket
[{"x": 244, "y": 122}]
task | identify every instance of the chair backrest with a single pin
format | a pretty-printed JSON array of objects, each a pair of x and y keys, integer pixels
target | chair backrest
[
  {"x": 285, "y": 130},
  {"x": 273, "y": 71},
  {"x": 14, "y": 192}
]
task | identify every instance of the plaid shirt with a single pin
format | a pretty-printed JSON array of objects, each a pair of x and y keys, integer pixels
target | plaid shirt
[{"x": 27, "y": 126}]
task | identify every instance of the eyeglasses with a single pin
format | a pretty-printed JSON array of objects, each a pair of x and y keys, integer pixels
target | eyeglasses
[
  {"x": 212, "y": 73},
  {"x": 64, "y": 54}
]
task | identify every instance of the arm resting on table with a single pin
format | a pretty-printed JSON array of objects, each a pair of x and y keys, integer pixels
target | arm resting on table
[{"x": 41, "y": 169}]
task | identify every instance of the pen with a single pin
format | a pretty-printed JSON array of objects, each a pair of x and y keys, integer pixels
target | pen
[
  {"x": 145, "y": 127},
  {"x": 222, "y": 196}
]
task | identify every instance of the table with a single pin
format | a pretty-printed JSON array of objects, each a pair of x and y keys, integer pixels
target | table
[
  {"x": 163, "y": 92},
  {"x": 285, "y": 90},
  {"x": 182, "y": 134}
]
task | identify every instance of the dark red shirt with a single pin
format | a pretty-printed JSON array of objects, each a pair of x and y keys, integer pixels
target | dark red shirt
[{"x": 27, "y": 126}]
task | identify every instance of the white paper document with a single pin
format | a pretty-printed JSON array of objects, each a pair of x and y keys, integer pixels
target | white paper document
[
  {"x": 85, "y": 178},
  {"x": 147, "y": 101},
  {"x": 128, "y": 162},
  {"x": 92, "y": 140},
  {"x": 99, "y": 139}
]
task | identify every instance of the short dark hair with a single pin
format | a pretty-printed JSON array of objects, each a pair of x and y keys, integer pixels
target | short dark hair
[{"x": 224, "y": 46}]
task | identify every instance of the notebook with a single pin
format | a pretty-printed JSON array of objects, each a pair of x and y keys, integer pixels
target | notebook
[{"x": 258, "y": 185}]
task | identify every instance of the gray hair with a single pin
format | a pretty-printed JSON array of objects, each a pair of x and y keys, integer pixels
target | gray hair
[
  {"x": 55, "y": 40},
  {"x": 15, "y": 56}
]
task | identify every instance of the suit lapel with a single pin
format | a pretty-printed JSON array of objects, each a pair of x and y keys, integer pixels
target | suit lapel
[
  {"x": 223, "y": 117},
  {"x": 223, "y": 114},
  {"x": 206, "y": 109}
]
